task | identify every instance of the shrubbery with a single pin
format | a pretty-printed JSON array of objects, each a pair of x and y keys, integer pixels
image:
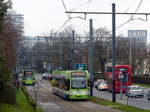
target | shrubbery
[{"x": 8, "y": 94}]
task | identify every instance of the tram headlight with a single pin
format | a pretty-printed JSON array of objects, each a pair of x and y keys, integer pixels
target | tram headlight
[{"x": 72, "y": 92}]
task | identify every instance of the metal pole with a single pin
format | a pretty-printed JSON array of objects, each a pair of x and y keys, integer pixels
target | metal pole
[
  {"x": 35, "y": 98},
  {"x": 107, "y": 54},
  {"x": 73, "y": 50},
  {"x": 90, "y": 52},
  {"x": 62, "y": 65},
  {"x": 127, "y": 88},
  {"x": 113, "y": 52},
  {"x": 121, "y": 89},
  {"x": 130, "y": 54},
  {"x": 61, "y": 59}
]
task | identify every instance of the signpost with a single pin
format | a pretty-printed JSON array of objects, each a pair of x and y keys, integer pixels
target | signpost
[
  {"x": 127, "y": 87},
  {"x": 139, "y": 37},
  {"x": 121, "y": 76}
]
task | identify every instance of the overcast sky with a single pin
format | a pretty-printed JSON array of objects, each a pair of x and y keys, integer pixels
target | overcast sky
[{"x": 40, "y": 16}]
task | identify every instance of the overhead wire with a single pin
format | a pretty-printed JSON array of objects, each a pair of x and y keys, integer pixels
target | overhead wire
[
  {"x": 132, "y": 16},
  {"x": 133, "y": 26},
  {"x": 62, "y": 26},
  {"x": 129, "y": 6},
  {"x": 65, "y": 7},
  {"x": 123, "y": 24},
  {"x": 138, "y": 6},
  {"x": 81, "y": 5},
  {"x": 69, "y": 17},
  {"x": 67, "y": 22}
]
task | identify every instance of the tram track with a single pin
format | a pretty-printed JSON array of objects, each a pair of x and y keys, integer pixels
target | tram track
[{"x": 53, "y": 103}]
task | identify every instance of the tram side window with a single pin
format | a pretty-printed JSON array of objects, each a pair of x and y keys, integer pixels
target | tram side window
[
  {"x": 64, "y": 84},
  {"x": 67, "y": 84},
  {"x": 60, "y": 84}
]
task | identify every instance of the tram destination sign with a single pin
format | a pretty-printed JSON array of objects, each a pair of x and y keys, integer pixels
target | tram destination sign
[
  {"x": 80, "y": 66},
  {"x": 78, "y": 74}
]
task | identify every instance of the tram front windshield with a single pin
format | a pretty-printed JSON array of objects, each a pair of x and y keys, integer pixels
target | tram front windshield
[
  {"x": 78, "y": 83},
  {"x": 29, "y": 77}
]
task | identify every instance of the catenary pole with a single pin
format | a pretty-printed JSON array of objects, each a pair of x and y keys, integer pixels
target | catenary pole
[
  {"x": 73, "y": 49},
  {"x": 90, "y": 52},
  {"x": 113, "y": 52}
]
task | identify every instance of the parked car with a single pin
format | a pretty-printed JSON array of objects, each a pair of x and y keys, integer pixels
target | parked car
[
  {"x": 148, "y": 95},
  {"x": 49, "y": 77},
  {"x": 102, "y": 86},
  {"x": 135, "y": 91},
  {"x": 97, "y": 83},
  {"x": 44, "y": 75}
]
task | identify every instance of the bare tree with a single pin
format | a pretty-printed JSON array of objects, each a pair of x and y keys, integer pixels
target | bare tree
[{"x": 101, "y": 45}]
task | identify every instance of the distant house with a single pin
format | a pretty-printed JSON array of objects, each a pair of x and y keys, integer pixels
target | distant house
[
  {"x": 143, "y": 69},
  {"x": 146, "y": 66}
]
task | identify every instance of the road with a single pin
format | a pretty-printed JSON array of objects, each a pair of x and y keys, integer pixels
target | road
[
  {"x": 137, "y": 102},
  {"x": 52, "y": 103}
]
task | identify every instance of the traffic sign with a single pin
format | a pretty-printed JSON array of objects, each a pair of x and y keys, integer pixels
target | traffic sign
[
  {"x": 36, "y": 87},
  {"x": 80, "y": 66},
  {"x": 121, "y": 76}
]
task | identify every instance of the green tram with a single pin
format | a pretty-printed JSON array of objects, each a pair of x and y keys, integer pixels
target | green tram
[
  {"x": 71, "y": 84},
  {"x": 28, "y": 77}
]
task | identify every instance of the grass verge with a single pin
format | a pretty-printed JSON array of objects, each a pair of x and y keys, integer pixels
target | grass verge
[
  {"x": 117, "y": 106},
  {"x": 29, "y": 98},
  {"x": 22, "y": 105},
  {"x": 143, "y": 85}
]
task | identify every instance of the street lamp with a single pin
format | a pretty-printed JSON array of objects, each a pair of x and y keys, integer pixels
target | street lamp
[{"x": 35, "y": 93}]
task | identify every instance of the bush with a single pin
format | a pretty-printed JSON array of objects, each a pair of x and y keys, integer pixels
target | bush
[
  {"x": 99, "y": 76},
  {"x": 8, "y": 94},
  {"x": 141, "y": 79}
]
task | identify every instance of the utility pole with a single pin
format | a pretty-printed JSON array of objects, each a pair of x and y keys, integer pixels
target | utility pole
[
  {"x": 130, "y": 53},
  {"x": 90, "y": 53},
  {"x": 113, "y": 51},
  {"x": 61, "y": 57},
  {"x": 72, "y": 59},
  {"x": 61, "y": 60}
]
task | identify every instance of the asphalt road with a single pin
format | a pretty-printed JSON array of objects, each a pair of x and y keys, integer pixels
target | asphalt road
[
  {"x": 52, "y": 103},
  {"x": 137, "y": 102}
]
